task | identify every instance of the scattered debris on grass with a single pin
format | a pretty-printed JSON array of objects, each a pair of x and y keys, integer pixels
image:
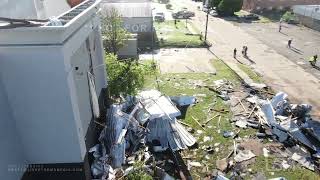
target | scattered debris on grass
[{"x": 147, "y": 134}]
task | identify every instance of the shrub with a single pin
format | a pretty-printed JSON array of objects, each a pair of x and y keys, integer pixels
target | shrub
[
  {"x": 288, "y": 16},
  {"x": 229, "y": 7},
  {"x": 126, "y": 77}
]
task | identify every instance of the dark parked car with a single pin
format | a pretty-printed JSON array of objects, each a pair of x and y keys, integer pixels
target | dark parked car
[
  {"x": 293, "y": 21},
  {"x": 251, "y": 17},
  {"x": 183, "y": 14}
]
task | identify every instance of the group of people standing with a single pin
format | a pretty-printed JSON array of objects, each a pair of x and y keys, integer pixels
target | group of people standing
[
  {"x": 244, "y": 52},
  {"x": 312, "y": 60}
]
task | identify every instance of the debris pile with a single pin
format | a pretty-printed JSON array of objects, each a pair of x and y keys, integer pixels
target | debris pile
[
  {"x": 294, "y": 137},
  {"x": 138, "y": 128},
  {"x": 277, "y": 120},
  {"x": 145, "y": 130}
]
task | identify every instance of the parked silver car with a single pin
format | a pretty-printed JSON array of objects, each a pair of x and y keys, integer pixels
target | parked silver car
[
  {"x": 159, "y": 17},
  {"x": 184, "y": 14}
]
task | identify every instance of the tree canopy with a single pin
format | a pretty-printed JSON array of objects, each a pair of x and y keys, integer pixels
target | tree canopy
[
  {"x": 113, "y": 33},
  {"x": 126, "y": 77},
  {"x": 226, "y": 7},
  {"x": 229, "y": 7}
]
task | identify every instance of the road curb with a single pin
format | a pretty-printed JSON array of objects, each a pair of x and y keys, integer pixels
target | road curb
[{"x": 244, "y": 78}]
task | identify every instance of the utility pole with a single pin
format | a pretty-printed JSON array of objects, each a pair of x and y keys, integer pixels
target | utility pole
[
  {"x": 186, "y": 23},
  {"x": 205, "y": 36}
]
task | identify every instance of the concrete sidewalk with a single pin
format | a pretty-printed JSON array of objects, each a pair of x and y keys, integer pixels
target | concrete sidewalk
[{"x": 278, "y": 71}]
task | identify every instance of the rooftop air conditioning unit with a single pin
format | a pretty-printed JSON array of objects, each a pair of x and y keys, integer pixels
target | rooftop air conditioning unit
[{"x": 52, "y": 77}]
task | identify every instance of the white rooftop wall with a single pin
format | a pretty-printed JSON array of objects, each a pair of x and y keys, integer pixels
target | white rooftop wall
[
  {"x": 11, "y": 151},
  {"x": 39, "y": 83},
  {"x": 24, "y": 9}
]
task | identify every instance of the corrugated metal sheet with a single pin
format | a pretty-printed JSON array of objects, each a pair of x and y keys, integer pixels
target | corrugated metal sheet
[
  {"x": 129, "y": 9},
  {"x": 169, "y": 133},
  {"x": 163, "y": 126},
  {"x": 110, "y": 135}
]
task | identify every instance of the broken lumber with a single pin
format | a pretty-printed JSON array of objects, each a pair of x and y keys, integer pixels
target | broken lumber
[{"x": 197, "y": 122}]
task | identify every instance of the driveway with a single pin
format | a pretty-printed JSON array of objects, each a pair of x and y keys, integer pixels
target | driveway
[{"x": 183, "y": 60}]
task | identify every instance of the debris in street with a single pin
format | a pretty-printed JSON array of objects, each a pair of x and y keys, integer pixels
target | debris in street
[
  {"x": 147, "y": 119},
  {"x": 169, "y": 133},
  {"x": 265, "y": 152},
  {"x": 278, "y": 178},
  {"x": 145, "y": 126},
  {"x": 285, "y": 164},
  {"x": 183, "y": 100},
  {"x": 241, "y": 124},
  {"x": 157, "y": 105},
  {"x": 258, "y": 85},
  {"x": 304, "y": 161},
  {"x": 221, "y": 177},
  {"x": 244, "y": 155},
  {"x": 196, "y": 120},
  {"x": 193, "y": 164},
  {"x": 227, "y": 134},
  {"x": 222, "y": 164},
  {"x": 205, "y": 123},
  {"x": 206, "y": 138},
  {"x": 253, "y": 145},
  {"x": 222, "y": 87}
]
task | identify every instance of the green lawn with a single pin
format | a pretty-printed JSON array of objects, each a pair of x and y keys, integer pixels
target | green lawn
[
  {"x": 253, "y": 75},
  {"x": 171, "y": 35},
  {"x": 200, "y": 111},
  {"x": 179, "y": 84}
]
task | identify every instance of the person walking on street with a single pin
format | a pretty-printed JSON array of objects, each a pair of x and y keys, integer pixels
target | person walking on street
[
  {"x": 313, "y": 60},
  {"x": 245, "y": 51},
  {"x": 289, "y": 43},
  {"x": 280, "y": 27},
  {"x": 235, "y": 53}
]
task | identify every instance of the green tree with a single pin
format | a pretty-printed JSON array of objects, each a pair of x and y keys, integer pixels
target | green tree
[
  {"x": 113, "y": 33},
  {"x": 229, "y": 7},
  {"x": 214, "y": 3},
  {"x": 126, "y": 77}
]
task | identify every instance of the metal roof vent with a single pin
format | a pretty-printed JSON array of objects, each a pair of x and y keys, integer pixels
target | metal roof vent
[
  {"x": 65, "y": 18},
  {"x": 56, "y": 31}
]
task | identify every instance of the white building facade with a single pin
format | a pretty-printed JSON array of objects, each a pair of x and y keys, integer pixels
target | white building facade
[{"x": 51, "y": 78}]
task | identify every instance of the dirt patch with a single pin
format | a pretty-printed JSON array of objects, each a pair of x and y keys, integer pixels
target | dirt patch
[
  {"x": 254, "y": 145},
  {"x": 185, "y": 60}
]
